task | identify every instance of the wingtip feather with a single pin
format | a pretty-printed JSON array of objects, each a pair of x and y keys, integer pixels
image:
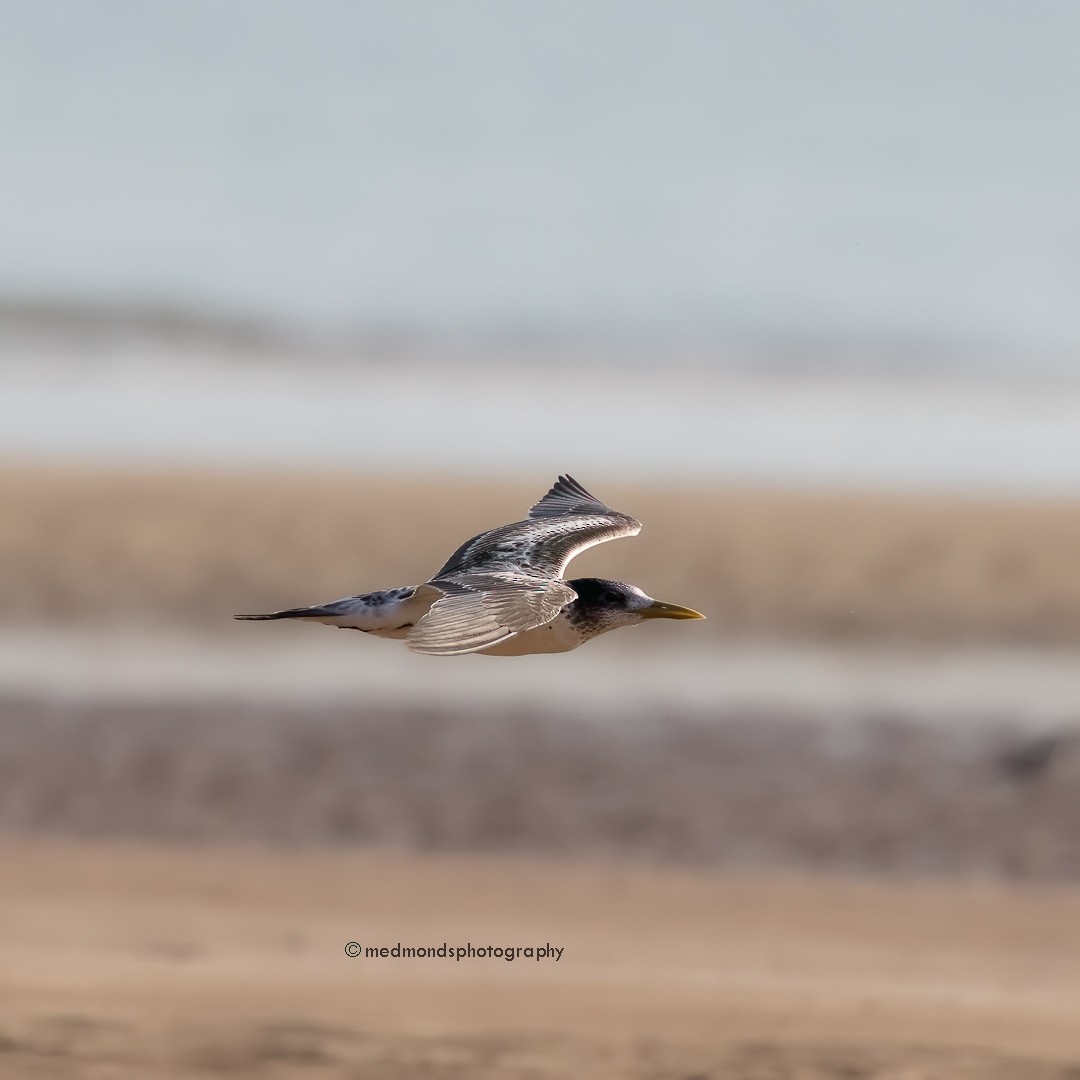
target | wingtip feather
[{"x": 567, "y": 496}]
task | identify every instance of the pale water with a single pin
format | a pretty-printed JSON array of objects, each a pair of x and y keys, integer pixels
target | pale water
[
  {"x": 682, "y": 424},
  {"x": 781, "y": 242},
  {"x": 783, "y": 182},
  {"x": 626, "y": 677}
]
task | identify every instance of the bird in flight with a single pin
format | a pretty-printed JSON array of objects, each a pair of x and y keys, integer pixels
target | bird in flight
[{"x": 503, "y": 593}]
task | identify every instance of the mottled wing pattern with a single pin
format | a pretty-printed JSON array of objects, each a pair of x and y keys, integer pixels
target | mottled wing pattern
[
  {"x": 506, "y": 581},
  {"x": 565, "y": 522},
  {"x": 484, "y": 609}
]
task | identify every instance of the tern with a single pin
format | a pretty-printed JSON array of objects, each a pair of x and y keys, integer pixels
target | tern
[{"x": 503, "y": 593}]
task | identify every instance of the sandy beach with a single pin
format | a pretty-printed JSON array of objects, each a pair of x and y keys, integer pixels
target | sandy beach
[
  {"x": 833, "y": 836},
  {"x": 124, "y": 962}
]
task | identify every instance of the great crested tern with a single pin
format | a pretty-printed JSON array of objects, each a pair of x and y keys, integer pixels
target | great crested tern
[{"x": 502, "y": 593}]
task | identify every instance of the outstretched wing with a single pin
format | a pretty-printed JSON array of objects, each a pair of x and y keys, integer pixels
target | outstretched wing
[
  {"x": 567, "y": 496},
  {"x": 484, "y": 609},
  {"x": 564, "y": 523}
]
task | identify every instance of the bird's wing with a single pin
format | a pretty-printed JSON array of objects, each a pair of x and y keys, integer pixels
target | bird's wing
[
  {"x": 567, "y": 496},
  {"x": 564, "y": 523},
  {"x": 484, "y": 609}
]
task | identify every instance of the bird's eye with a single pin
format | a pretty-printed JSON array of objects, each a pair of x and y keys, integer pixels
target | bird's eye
[{"x": 614, "y": 597}]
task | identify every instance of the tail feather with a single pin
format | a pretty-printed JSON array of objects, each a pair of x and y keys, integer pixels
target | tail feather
[
  {"x": 319, "y": 612},
  {"x": 389, "y": 613}
]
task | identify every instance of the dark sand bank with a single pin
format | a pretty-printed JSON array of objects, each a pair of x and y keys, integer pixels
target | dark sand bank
[{"x": 869, "y": 794}]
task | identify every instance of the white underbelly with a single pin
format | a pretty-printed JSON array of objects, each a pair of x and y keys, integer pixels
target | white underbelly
[
  {"x": 396, "y": 620},
  {"x": 553, "y": 637}
]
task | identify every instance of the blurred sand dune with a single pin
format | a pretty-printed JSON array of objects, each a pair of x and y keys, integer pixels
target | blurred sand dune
[{"x": 192, "y": 547}]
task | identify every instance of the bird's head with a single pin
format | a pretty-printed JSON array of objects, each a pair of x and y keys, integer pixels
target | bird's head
[{"x": 604, "y": 605}]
